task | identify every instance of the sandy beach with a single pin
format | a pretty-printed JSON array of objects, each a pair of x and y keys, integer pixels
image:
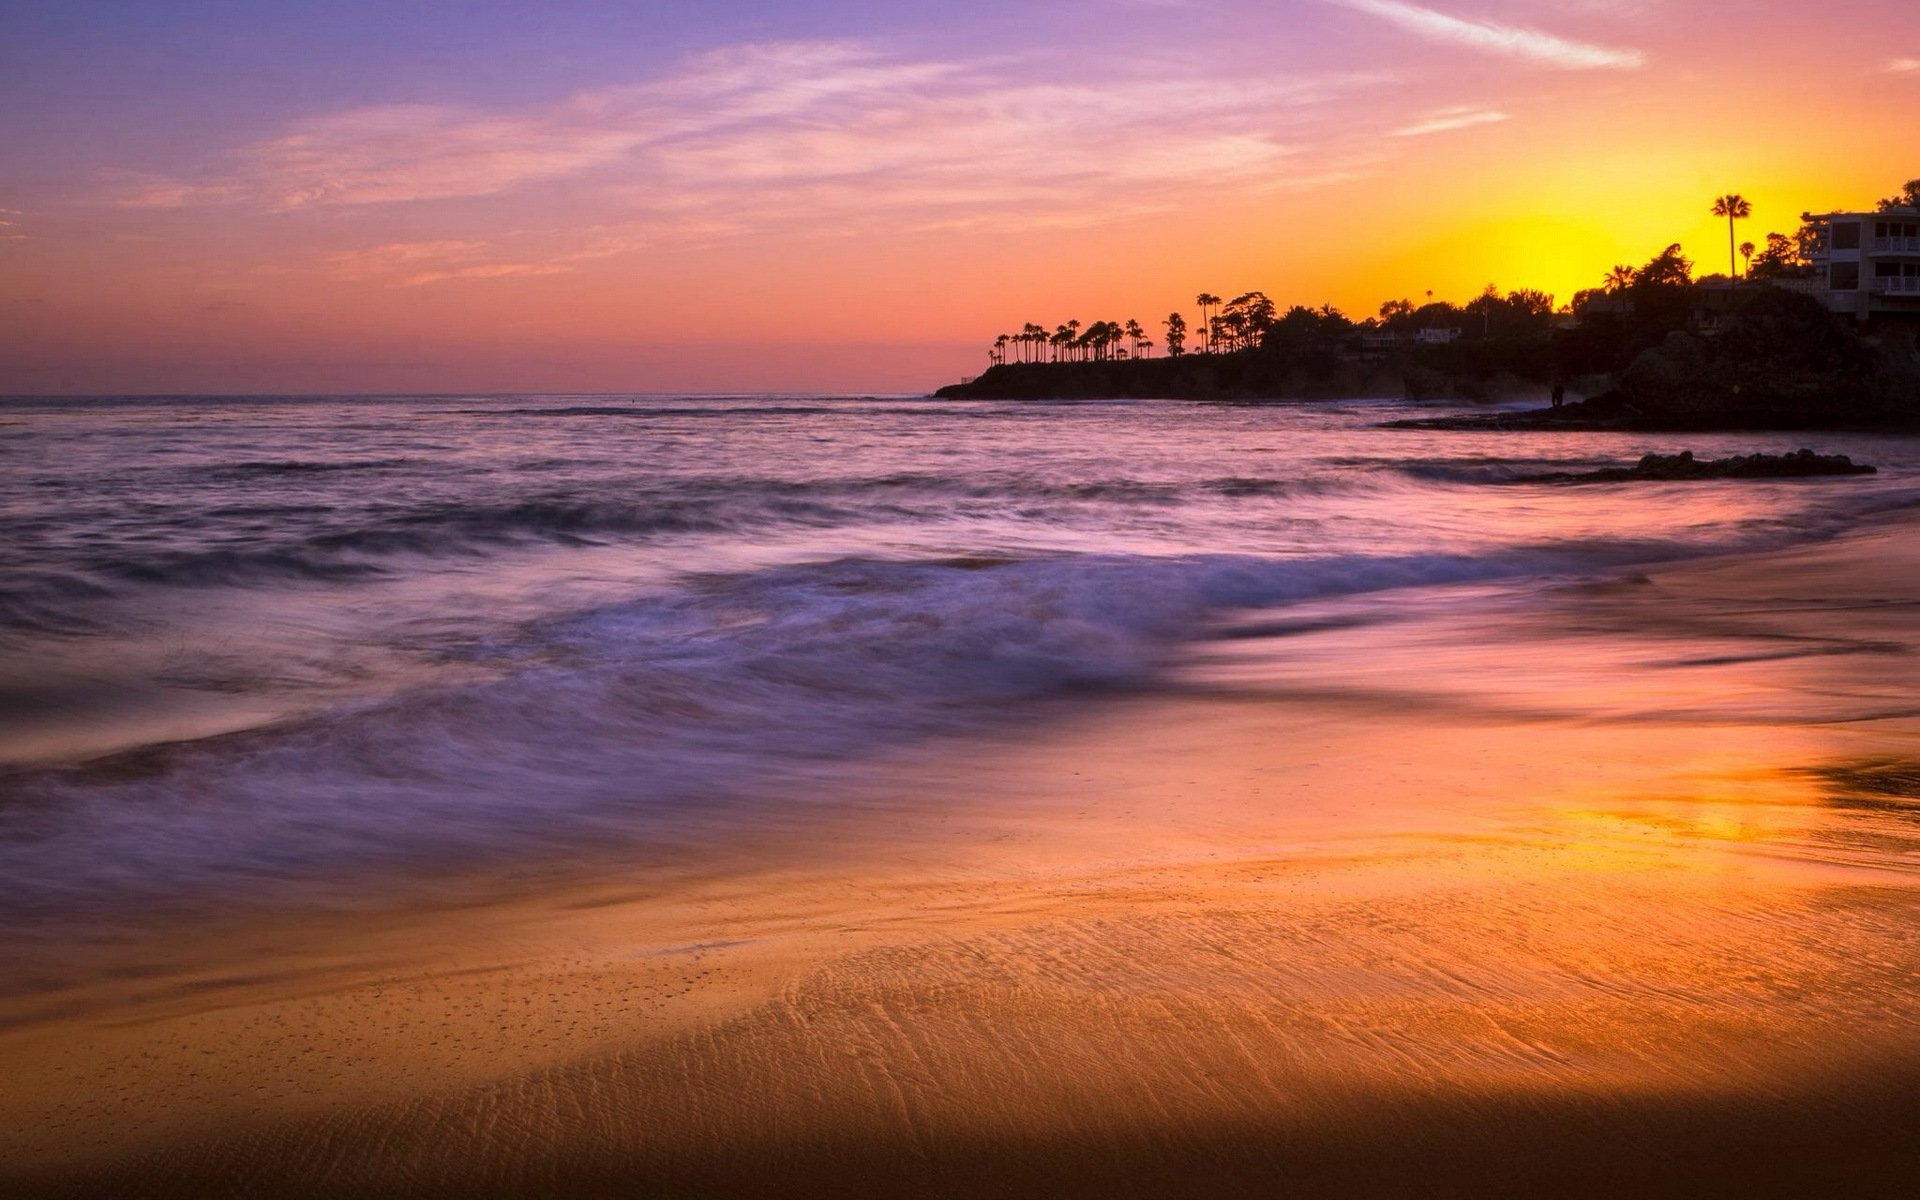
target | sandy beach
[{"x": 1621, "y": 897}]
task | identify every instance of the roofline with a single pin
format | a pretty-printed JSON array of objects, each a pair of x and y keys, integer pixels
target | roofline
[{"x": 1903, "y": 210}]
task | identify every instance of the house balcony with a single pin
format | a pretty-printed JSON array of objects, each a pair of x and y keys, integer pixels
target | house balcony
[
  {"x": 1896, "y": 245},
  {"x": 1898, "y": 285}
]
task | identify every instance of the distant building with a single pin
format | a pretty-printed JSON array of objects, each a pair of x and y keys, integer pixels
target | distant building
[
  {"x": 1434, "y": 336},
  {"x": 1867, "y": 264}
]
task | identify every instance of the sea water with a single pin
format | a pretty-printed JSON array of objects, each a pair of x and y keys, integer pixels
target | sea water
[{"x": 255, "y": 645}]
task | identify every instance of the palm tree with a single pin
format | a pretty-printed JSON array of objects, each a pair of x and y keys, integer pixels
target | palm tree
[
  {"x": 1619, "y": 279},
  {"x": 1176, "y": 335},
  {"x": 1036, "y": 336},
  {"x": 1746, "y": 259},
  {"x": 999, "y": 355},
  {"x": 1138, "y": 335},
  {"x": 1206, "y": 300},
  {"x": 1733, "y": 207}
]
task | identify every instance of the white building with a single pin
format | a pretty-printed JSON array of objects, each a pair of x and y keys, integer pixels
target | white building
[{"x": 1869, "y": 262}]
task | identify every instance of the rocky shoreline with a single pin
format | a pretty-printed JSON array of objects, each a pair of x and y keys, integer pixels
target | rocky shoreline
[
  {"x": 1801, "y": 464},
  {"x": 1613, "y": 412}
]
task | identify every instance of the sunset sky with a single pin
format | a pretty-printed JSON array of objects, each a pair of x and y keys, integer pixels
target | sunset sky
[{"x": 216, "y": 195}]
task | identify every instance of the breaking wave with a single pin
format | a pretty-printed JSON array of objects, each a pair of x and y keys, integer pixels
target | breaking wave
[{"x": 639, "y": 717}]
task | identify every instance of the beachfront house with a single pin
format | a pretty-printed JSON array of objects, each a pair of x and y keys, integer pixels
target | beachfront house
[{"x": 1867, "y": 263}]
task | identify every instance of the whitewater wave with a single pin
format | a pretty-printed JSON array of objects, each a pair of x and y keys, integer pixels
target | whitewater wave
[
  {"x": 237, "y": 544},
  {"x": 647, "y": 717}
]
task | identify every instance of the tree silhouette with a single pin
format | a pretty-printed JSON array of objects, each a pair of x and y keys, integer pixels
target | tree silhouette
[
  {"x": 1619, "y": 279},
  {"x": 1530, "y": 303},
  {"x": 1395, "y": 311},
  {"x": 1783, "y": 258},
  {"x": 1746, "y": 259},
  {"x": 1206, "y": 300},
  {"x": 1909, "y": 197},
  {"x": 1137, "y": 335},
  {"x": 1176, "y": 335},
  {"x": 1669, "y": 268},
  {"x": 999, "y": 355},
  {"x": 1245, "y": 320},
  {"x": 1733, "y": 207}
]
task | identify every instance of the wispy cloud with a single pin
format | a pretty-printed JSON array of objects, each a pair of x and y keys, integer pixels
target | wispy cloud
[
  {"x": 1531, "y": 44},
  {"x": 1904, "y": 66},
  {"x": 414, "y": 264},
  {"x": 796, "y": 139},
  {"x": 1448, "y": 119},
  {"x": 398, "y": 152},
  {"x": 801, "y": 117},
  {"x": 8, "y": 226}
]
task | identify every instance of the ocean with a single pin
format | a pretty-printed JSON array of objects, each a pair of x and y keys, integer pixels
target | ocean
[{"x": 293, "y": 650}]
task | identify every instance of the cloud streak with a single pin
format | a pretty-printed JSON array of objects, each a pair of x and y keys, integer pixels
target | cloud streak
[
  {"x": 1449, "y": 119},
  {"x": 1545, "y": 49},
  {"x": 1904, "y": 66},
  {"x": 415, "y": 264}
]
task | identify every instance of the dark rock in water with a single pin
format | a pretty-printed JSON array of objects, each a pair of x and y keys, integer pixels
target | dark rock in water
[{"x": 1684, "y": 466}]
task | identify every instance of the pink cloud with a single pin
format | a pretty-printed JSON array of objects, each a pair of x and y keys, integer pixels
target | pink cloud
[{"x": 790, "y": 119}]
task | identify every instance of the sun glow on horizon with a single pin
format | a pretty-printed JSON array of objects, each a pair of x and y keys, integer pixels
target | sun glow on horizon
[{"x": 899, "y": 194}]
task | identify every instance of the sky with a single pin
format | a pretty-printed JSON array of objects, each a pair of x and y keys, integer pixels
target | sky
[{"x": 847, "y": 195}]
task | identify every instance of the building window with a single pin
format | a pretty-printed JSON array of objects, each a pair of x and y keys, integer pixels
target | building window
[
  {"x": 1846, "y": 236},
  {"x": 1844, "y": 277}
]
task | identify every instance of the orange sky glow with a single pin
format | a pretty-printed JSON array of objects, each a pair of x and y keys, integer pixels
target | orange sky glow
[{"x": 850, "y": 205}]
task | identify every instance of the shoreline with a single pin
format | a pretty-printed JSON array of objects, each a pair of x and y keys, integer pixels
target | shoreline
[{"x": 1348, "y": 929}]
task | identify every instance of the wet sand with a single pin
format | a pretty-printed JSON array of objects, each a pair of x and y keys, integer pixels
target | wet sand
[{"x": 1611, "y": 888}]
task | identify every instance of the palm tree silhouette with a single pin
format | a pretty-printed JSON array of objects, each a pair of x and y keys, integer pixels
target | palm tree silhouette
[
  {"x": 1619, "y": 279},
  {"x": 1136, "y": 333},
  {"x": 1206, "y": 300},
  {"x": 1176, "y": 335},
  {"x": 1733, "y": 207},
  {"x": 1035, "y": 336},
  {"x": 1746, "y": 259}
]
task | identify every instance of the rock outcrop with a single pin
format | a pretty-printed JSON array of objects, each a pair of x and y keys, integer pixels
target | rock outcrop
[{"x": 1684, "y": 466}]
